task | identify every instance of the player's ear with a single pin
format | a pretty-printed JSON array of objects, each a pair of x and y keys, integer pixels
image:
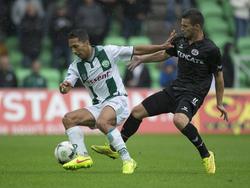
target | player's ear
[{"x": 197, "y": 27}]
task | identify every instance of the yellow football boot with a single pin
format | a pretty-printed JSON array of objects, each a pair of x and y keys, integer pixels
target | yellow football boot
[
  {"x": 105, "y": 150},
  {"x": 79, "y": 162},
  {"x": 129, "y": 166},
  {"x": 209, "y": 163}
]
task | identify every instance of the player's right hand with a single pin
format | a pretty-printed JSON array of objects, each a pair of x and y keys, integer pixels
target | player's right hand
[
  {"x": 223, "y": 111},
  {"x": 65, "y": 87}
]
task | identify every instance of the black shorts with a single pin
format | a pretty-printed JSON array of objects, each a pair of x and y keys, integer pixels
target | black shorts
[{"x": 168, "y": 100}]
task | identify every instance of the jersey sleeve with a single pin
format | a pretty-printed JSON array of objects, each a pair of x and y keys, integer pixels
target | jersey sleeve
[
  {"x": 215, "y": 60},
  {"x": 119, "y": 53},
  {"x": 72, "y": 74}
]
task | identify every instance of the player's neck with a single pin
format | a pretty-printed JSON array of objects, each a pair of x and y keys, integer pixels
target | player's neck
[
  {"x": 92, "y": 54},
  {"x": 197, "y": 37}
]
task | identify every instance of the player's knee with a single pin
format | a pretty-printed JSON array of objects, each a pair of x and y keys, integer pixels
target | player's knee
[
  {"x": 139, "y": 112},
  {"x": 67, "y": 121},
  {"x": 101, "y": 123},
  {"x": 180, "y": 121}
]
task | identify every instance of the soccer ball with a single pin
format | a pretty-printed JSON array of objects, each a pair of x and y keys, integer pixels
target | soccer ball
[{"x": 65, "y": 152}]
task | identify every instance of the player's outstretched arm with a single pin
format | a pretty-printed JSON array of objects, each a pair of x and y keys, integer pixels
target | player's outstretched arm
[
  {"x": 155, "y": 57},
  {"x": 219, "y": 87},
  {"x": 149, "y": 49}
]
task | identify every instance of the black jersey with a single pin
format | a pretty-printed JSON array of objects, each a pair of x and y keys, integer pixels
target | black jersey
[{"x": 196, "y": 64}]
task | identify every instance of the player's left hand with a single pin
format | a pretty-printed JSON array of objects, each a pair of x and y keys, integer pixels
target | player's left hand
[{"x": 223, "y": 111}]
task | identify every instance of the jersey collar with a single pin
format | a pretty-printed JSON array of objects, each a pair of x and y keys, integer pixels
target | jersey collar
[{"x": 92, "y": 57}]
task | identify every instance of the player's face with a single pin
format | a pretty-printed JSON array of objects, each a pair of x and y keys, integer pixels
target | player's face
[
  {"x": 81, "y": 49},
  {"x": 187, "y": 28}
]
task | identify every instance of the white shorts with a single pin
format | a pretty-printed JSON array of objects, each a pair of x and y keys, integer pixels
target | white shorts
[{"x": 118, "y": 103}]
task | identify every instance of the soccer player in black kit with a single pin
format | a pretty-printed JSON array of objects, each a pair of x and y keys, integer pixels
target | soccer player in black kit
[{"x": 198, "y": 60}]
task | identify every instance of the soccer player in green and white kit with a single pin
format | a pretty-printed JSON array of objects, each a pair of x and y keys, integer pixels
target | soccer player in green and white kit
[{"x": 97, "y": 69}]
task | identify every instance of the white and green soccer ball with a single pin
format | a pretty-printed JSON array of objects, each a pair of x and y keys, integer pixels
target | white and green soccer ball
[{"x": 65, "y": 152}]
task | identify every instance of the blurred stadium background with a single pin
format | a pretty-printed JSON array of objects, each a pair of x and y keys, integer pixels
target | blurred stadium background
[{"x": 36, "y": 31}]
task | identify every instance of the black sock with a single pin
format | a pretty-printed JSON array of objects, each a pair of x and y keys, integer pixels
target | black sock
[
  {"x": 192, "y": 134},
  {"x": 130, "y": 127}
]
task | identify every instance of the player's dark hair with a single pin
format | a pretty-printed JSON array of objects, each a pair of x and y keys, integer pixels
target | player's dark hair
[
  {"x": 195, "y": 16},
  {"x": 79, "y": 33}
]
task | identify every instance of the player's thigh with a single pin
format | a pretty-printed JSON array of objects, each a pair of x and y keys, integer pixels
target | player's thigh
[
  {"x": 158, "y": 103},
  {"x": 107, "y": 119},
  {"x": 81, "y": 117},
  {"x": 107, "y": 115},
  {"x": 120, "y": 105},
  {"x": 188, "y": 105}
]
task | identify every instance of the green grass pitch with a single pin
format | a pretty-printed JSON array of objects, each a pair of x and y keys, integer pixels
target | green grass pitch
[{"x": 163, "y": 161}]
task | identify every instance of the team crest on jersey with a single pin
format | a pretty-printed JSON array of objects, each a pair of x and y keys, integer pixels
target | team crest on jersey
[
  {"x": 105, "y": 63},
  {"x": 195, "y": 52}
]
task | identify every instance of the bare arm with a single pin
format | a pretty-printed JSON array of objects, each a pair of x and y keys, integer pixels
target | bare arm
[
  {"x": 149, "y": 58},
  {"x": 149, "y": 49},
  {"x": 155, "y": 57},
  {"x": 219, "y": 87}
]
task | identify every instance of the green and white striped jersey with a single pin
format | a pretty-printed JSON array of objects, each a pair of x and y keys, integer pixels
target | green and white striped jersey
[{"x": 101, "y": 76}]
